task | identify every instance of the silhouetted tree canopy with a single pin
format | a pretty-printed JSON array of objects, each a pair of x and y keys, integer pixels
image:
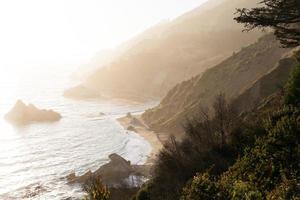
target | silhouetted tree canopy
[{"x": 281, "y": 15}]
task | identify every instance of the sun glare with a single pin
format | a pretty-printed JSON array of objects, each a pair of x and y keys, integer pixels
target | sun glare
[
  {"x": 96, "y": 93},
  {"x": 60, "y": 32}
]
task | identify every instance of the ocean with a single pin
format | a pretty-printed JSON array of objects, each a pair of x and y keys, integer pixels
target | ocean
[{"x": 36, "y": 158}]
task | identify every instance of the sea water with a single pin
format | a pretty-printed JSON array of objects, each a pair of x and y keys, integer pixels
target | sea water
[{"x": 36, "y": 158}]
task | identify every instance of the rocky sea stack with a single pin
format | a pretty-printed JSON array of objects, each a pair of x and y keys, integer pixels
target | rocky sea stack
[{"x": 24, "y": 114}]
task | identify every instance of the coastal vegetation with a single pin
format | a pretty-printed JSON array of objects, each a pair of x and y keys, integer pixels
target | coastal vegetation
[
  {"x": 229, "y": 156},
  {"x": 293, "y": 88},
  {"x": 240, "y": 135},
  {"x": 258, "y": 160},
  {"x": 251, "y": 155},
  {"x": 95, "y": 189},
  {"x": 283, "y": 16},
  {"x": 221, "y": 85},
  {"x": 247, "y": 77}
]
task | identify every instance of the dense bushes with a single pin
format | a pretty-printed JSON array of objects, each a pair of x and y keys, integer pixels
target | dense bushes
[
  {"x": 207, "y": 145},
  {"x": 95, "y": 189},
  {"x": 275, "y": 158},
  {"x": 203, "y": 187},
  {"x": 251, "y": 157},
  {"x": 293, "y": 87},
  {"x": 269, "y": 170},
  {"x": 143, "y": 193}
]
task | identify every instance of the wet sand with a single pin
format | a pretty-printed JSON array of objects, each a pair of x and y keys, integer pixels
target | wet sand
[{"x": 136, "y": 124}]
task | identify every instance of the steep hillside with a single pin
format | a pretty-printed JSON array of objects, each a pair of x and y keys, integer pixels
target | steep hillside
[
  {"x": 254, "y": 73},
  {"x": 156, "y": 60},
  {"x": 85, "y": 70}
]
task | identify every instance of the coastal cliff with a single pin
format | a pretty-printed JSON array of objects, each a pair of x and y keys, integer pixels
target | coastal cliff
[
  {"x": 252, "y": 74},
  {"x": 152, "y": 63}
]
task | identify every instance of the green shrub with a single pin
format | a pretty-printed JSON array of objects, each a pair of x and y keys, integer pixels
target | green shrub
[
  {"x": 274, "y": 159},
  {"x": 263, "y": 161},
  {"x": 292, "y": 90},
  {"x": 143, "y": 194},
  {"x": 289, "y": 189},
  {"x": 245, "y": 191},
  {"x": 95, "y": 189},
  {"x": 204, "y": 188},
  {"x": 205, "y": 145}
]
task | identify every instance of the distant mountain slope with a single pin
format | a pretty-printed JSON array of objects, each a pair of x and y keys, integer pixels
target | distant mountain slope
[
  {"x": 85, "y": 70},
  {"x": 156, "y": 60},
  {"x": 252, "y": 74}
]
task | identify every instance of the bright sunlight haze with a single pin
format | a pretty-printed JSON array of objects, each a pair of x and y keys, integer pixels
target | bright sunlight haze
[{"x": 69, "y": 32}]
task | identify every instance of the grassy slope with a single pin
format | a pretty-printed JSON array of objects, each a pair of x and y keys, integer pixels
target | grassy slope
[{"x": 254, "y": 73}]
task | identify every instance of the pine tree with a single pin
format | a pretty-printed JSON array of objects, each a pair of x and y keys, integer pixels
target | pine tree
[{"x": 281, "y": 15}]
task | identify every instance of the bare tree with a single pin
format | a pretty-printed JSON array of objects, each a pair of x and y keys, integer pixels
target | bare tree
[{"x": 225, "y": 118}]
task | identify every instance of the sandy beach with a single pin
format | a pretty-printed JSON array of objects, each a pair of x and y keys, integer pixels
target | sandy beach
[{"x": 136, "y": 124}]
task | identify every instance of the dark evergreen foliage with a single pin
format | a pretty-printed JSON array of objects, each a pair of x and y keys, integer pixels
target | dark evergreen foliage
[
  {"x": 281, "y": 15},
  {"x": 206, "y": 146},
  {"x": 203, "y": 187},
  {"x": 262, "y": 154},
  {"x": 293, "y": 87},
  {"x": 254, "y": 156},
  {"x": 269, "y": 170}
]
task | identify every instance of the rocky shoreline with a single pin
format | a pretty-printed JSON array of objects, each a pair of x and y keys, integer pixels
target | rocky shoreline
[
  {"x": 115, "y": 173},
  {"x": 137, "y": 125},
  {"x": 119, "y": 174},
  {"x": 118, "y": 170}
]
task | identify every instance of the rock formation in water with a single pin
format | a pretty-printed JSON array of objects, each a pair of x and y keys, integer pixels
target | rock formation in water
[
  {"x": 112, "y": 173},
  {"x": 23, "y": 114}
]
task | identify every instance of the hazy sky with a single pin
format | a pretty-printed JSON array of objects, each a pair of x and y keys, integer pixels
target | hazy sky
[{"x": 58, "y": 32}]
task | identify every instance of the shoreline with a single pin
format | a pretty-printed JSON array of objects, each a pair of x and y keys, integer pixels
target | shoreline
[{"x": 137, "y": 125}]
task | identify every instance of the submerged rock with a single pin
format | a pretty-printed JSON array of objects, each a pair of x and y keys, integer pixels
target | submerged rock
[
  {"x": 23, "y": 114},
  {"x": 102, "y": 114},
  {"x": 33, "y": 190},
  {"x": 129, "y": 115}
]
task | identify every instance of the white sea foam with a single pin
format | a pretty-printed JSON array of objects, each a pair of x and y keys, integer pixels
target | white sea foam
[{"x": 35, "y": 158}]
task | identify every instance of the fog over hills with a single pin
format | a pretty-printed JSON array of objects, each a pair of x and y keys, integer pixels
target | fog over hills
[
  {"x": 150, "y": 64},
  {"x": 247, "y": 77}
]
